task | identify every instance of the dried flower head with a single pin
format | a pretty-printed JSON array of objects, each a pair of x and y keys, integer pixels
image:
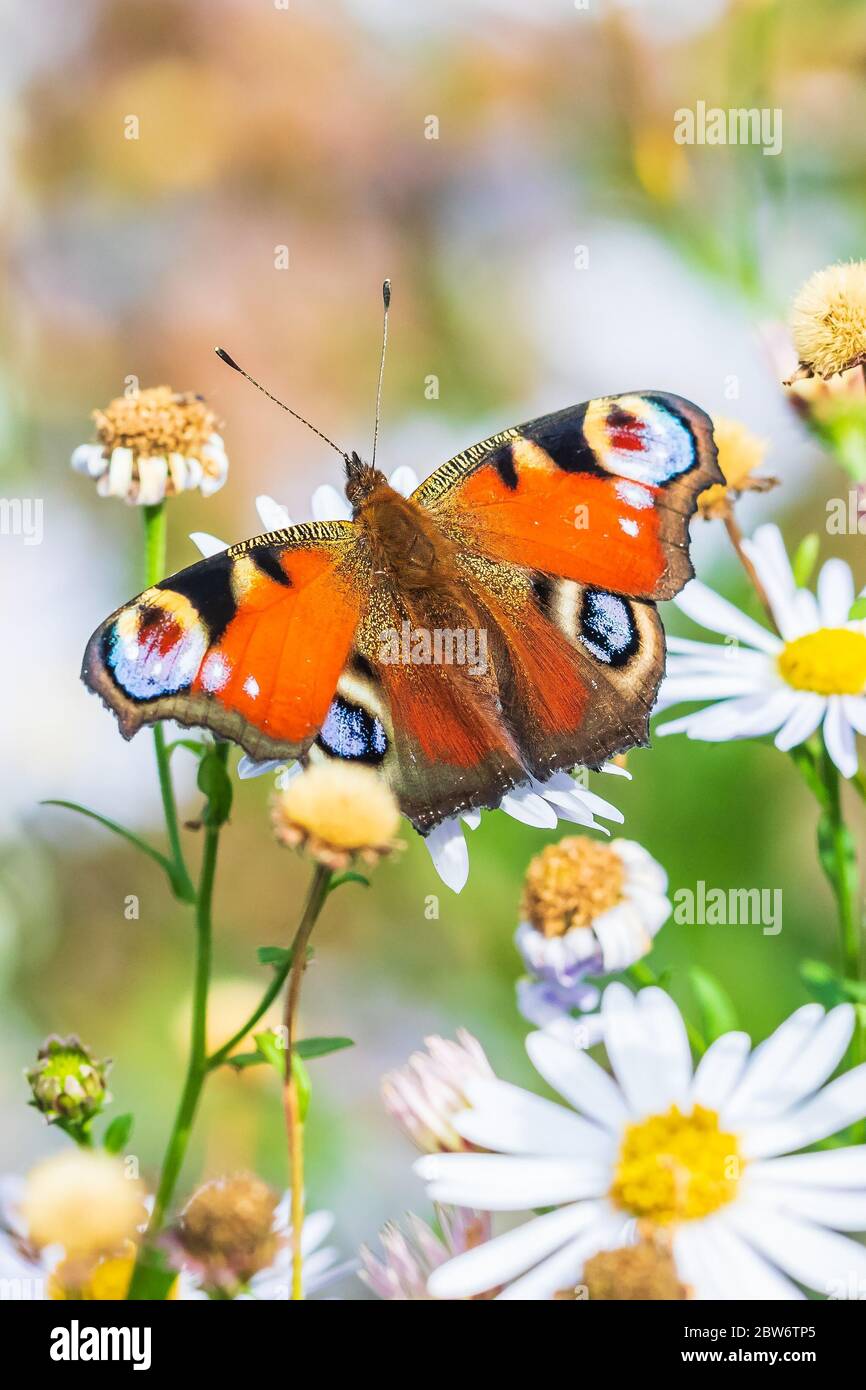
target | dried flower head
[
  {"x": 740, "y": 453},
  {"x": 83, "y": 1200},
  {"x": 68, "y": 1083},
  {"x": 828, "y": 320},
  {"x": 409, "y": 1256},
  {"x": 635, "y": 1273},
  {"x": 337, "y": 812},
  {"x": 425, "y": 1095},
  {"x": 154, "y": 444},
  {"x": 226, "y": 1233}
]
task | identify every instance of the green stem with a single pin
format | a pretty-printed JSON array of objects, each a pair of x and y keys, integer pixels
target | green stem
[
  {"x": 291, "y": 1098},
  {"x": 155, "y": 540},
  {"x": 197, "y": 1067}
]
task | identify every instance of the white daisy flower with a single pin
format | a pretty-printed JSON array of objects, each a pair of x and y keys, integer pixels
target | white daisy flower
[
  {"x": 540, "y": 804},
  {"x": 708, "y": 1156},
  {"x": 153, "y": 444},
  {"x": 813, "y": 674},
  {"x": 587, "y": 909},
  {"x": 409, "y": 1257}
]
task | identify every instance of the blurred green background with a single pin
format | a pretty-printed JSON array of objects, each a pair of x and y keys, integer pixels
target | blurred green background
[{"x": 553, "y": 242}]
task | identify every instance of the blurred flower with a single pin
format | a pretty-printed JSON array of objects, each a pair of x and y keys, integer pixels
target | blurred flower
[
  {"x": 409, "y": 1259},
  {"x": 337, "y": 812},
  {"x": 154, "y": 444},
  {"x": 234, "y": 1238},
  {"x": 540, "y": 804},
  {"x": 106, "y": 1279},
  {"x": 82, "y": 1200},
  {"x": 708, "y": 1156},
  {"x": 225, "y": 1234},
  {"x": 68, "y": 1083},
  {"x": 828, "y": 320},
  {"x": 740, "y": 453},
  {"x": 427, "y": 1093},
  {"x": 635, "y": 1273},
  {"x": 813, "y": 674},
  {"x": 587, "y": 909}
]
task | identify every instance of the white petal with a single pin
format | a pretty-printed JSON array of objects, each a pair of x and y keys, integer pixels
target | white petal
[
  {"x": 563, "y": 1269},
  {"x": 743, "y": 1272},
  {"x": 120, "y": 472},
  {"x": 709, "y": 685},
  {"x": 768, "y": 1064},
  {"x": 248, "y": 768},
  {"x": 530, "y": 808},
  {"x": 816, "y": 1061},
  {"x": 831, "y": 1110},
  {"x": 749, "y": 716},
  {"x": 841, "y": 1210},
  {"x": 839, "y": 737},
  {"x": 153, "y": 477},
  {"x": 835, "y": 593},
  {"x": 767, "y": 552},
  {"x": 720, "y": 1069},
  {"x": 90, "y": 459},
  {"x": 449, "y": 853},
  {"x": 855, "y": 710},
  {"x": 822, "y": 1260},
  {"x": 648, "y": 1048},
  {"x": 694, "y": 1251},
  {"x": 828, "y": 1168},
  {"x": 500, "y": 1259},
  {"x": 471, "y": 819},
  {"x": 597, "y": 804},
  {"x": 404, "y": 480},
  {"x": 207, "y": 544},
  {"x": 503, "y": 1182},
  {"x": 507, "y": 1119},
  {"x": 802, "y": 721},
  {"x": 317, "y": 1227},
  {"x": 330, "y": 505},
  {"x": 712, "y": 611},
  {"x": 614, "y": 770},
  {"x": 579, "y": 1080},
  {"x": 273, "y": 515}
]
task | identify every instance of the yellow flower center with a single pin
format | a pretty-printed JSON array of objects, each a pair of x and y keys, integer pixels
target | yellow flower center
[
  {"x": 676, "y": 1167},
  {"x": 104, "y": 1282},
  {"x": 570, "y": 884},
  {"x": 831, "y": 661}
]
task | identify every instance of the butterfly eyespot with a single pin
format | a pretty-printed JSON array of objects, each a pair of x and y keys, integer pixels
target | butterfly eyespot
[
  {"x": 640, "y": 439},
  {"x": 607, "y": 627},
  {"x": 351, "y": 732}
]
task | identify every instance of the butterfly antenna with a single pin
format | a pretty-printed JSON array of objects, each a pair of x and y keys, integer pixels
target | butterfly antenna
[
  {"x": 386, "y": 301},
  {"x": 230, "y": 362}
]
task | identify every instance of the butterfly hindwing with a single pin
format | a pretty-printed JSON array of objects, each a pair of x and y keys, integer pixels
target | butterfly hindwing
[
  {"x": 248, "y": 643},
  {"x": 599, "y": 493}
]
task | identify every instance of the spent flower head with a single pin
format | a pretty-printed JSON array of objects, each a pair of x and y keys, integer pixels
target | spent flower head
[
  {"x": 637, "y": 1273},
  {"x": 152, "y": 444},
  {"x": 828, "y": 320},
  {"x": 337, "y": 812},
  {"x": 68, "y": 1083},
  {"x": 740, "y": 453},
  {"x": 427, "y": 1093},
  {"x": 225, "y": 1234}
]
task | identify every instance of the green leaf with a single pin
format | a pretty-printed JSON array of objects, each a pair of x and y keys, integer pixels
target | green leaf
[
  {"x": 716, "y": 1006},
  {"x": 179, "y": 888},
  {"x": 279, "y": 956},
  {"x": 271, "y": 1048},
  {"x": 308, "y": 1048},
  {"x": 303, "y": 1083},
  {"x": 117, "y": 1134},
  {"x": 805, "y": 558},
  {"x": 350, "y": 876},
  {"x": 215, "y": 783},
  {"x": 241, "y": 1060},
  {"x": 191, "y": 745},
  {"x": 858, "y": 609}
]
